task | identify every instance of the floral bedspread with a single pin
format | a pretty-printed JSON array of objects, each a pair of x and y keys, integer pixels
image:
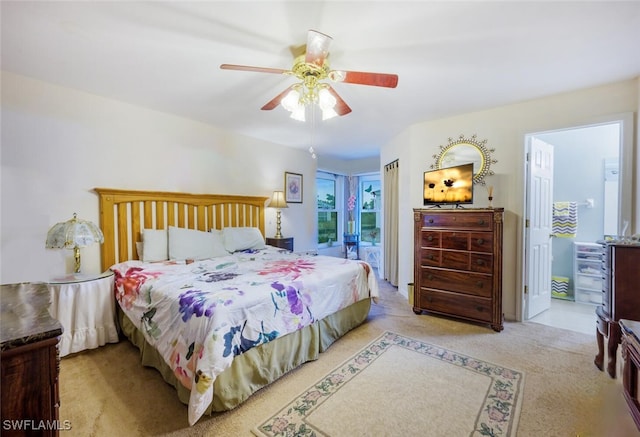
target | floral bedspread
[{"x": 201, "y": 315}]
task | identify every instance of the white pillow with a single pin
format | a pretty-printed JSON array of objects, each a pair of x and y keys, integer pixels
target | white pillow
[
  {"x": 154, "y": 245},
  {"x": 242, "y": 238},
  {"x": 194, "y": 244}
]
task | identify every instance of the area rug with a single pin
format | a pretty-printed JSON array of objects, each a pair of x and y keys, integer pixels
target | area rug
[{"x": 401, "y": 386}]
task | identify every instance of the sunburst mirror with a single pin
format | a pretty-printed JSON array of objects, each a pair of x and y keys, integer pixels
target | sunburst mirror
[{"x": 463, "y": 151}]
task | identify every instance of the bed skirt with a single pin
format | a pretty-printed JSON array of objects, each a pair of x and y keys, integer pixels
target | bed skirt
[{"x": 261, "y": 365}]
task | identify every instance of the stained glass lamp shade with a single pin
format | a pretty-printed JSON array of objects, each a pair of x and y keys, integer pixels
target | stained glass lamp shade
[{"x": 74, "y": 234}]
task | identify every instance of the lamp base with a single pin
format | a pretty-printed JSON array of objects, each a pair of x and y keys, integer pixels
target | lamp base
[
  {"x": 76, "y": 259},
  {"x": 278, "y": 233}
]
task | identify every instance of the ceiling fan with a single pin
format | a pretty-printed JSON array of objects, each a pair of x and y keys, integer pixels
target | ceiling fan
[{"x": 311, "y": 68}]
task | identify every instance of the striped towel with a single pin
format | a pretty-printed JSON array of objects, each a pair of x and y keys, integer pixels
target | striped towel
[
  {"x": 559, "y": 285},
  {"x": 565, "y": 219}
]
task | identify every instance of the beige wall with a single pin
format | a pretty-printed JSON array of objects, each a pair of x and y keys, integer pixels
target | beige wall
[
  {"x": 505, "y": 129},
  {"x": 58, "y": 144}
]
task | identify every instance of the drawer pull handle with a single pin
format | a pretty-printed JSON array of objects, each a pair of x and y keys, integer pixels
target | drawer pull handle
[
  {"x": 430, "y": 238},
  {"x": 479, "y": 284},
  {"x": 480, "y": 262},
  {"x": 480, "y": 241},
  {"x": 481, "y": 222},
  {"x": 480, "y": 309},
  {"x": 430, "y": 257},
  {"x": 430, "y": 220},
  {"x": 430, "y": 277}
]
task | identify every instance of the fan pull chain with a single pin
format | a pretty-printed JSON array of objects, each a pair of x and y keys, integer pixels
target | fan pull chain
[{"x": 313, "y": 125}]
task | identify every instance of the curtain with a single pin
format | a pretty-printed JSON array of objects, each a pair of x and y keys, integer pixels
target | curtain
[{"x": 391, "y": 218}]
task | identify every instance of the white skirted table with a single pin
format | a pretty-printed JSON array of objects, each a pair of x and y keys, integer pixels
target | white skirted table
[
  {"x": 85, "y": 306},
  {"x": 372, "y": 255}
]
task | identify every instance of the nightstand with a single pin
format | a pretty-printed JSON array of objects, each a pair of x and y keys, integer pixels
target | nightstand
[
  {"x": 85, "y": 306},
  {"x": 282, "y": 243},
  {"x": 30, "y": 364}
]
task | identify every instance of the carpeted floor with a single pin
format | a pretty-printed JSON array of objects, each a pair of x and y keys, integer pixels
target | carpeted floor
[{"x": 107, "y": 392}]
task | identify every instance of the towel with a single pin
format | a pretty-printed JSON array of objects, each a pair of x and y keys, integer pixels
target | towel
[
  {"x": 561, "y": 209},
  {"x": 559, "y": 286},
  {"x": 565, "y": 219}
]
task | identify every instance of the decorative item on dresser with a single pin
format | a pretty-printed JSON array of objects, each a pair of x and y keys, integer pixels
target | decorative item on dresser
[
  {"x": 630, "y": 330},
  {"x": 30, "y": 362},
  {"x": 282, "y": 243},
  {"x": 620, "y": 298},
  {"x": 86, "y": 308},
  {"x": 458, "y": 264}
]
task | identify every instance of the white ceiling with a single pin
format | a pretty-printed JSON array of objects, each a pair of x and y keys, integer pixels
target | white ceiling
[{"x": 451, "y": 57}]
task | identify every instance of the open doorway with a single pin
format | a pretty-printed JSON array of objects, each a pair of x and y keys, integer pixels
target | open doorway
[{"x": 587, "y": 174}]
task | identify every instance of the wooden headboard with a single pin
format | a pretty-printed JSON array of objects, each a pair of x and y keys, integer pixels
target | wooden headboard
[{"x": 124, "y": 213}]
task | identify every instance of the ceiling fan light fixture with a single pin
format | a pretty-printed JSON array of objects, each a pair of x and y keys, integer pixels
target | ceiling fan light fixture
[
  {"x": 298, "y": 113},
  {"x": 311, "y": 68},
  {"x": 327, "y": 103},
  {"x": 291, "y": 101},
  {"x": 328, "y": 114}
]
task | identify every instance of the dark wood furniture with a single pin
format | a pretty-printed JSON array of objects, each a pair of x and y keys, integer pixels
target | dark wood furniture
[
  {"x": 458, "y": 264},
  {"x": 351, "y": 242},
  {"x": 620, "y": 298},
  {"x": 30, "y": 362},
  {"x": 630, "y": 330},
  {"x": 282, "y": 243}
]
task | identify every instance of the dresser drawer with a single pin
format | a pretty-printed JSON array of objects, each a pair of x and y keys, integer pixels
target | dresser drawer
[
  {"x": 455, "y": 240},
  {"x": 430, "y": 257},
  {"x": 455, "y": 259},
  {"x": 444, "y": 302},
  {"x": 481, "y": 262},
  {"x": 459, "y": 281},
  {"x": 470, "y": 221},
  {"x": 430, "y": 238},
  {"x": 458, "y": 260},
  {"x": 481, "y": 242}
]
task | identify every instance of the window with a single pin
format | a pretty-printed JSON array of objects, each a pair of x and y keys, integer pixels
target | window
[
  {"x": 327, "y": 211},
  {"x": 369, "y": 193}
]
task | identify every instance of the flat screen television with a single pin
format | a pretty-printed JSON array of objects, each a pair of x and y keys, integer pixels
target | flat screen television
[{"x": 449, "y": 186}]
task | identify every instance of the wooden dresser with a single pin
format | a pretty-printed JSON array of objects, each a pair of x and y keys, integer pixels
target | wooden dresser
[
  {"x": 458, "y": 264},
  {"x": 30, "y": 362},
  {"x": 631, "y": 372},
  {"x": 620, "y": 298}
]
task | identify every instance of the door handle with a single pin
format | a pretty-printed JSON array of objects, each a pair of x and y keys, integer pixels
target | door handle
[{"x": 553, "y": 235}]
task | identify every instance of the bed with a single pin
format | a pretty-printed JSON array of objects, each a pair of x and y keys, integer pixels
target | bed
[{"x": 215, "y": 310}]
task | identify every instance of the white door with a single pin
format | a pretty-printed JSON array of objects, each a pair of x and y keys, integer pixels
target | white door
[{"x": 538, "y": 230}]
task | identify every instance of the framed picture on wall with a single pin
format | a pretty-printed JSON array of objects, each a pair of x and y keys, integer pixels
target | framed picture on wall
[{"x": 292, "y": 187}]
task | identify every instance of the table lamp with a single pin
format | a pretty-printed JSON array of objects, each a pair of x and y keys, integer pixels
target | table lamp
[
  {"x": 74, "y": 234},
  {"x": 278, "y": 202}
]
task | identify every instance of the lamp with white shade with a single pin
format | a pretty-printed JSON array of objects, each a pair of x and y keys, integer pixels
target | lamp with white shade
[
  {"x": 74, "y": 234},
  {"x": 278, "y": 201}
]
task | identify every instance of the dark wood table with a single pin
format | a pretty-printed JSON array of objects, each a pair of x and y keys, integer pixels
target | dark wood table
[{"x": 630, "y": 330}]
